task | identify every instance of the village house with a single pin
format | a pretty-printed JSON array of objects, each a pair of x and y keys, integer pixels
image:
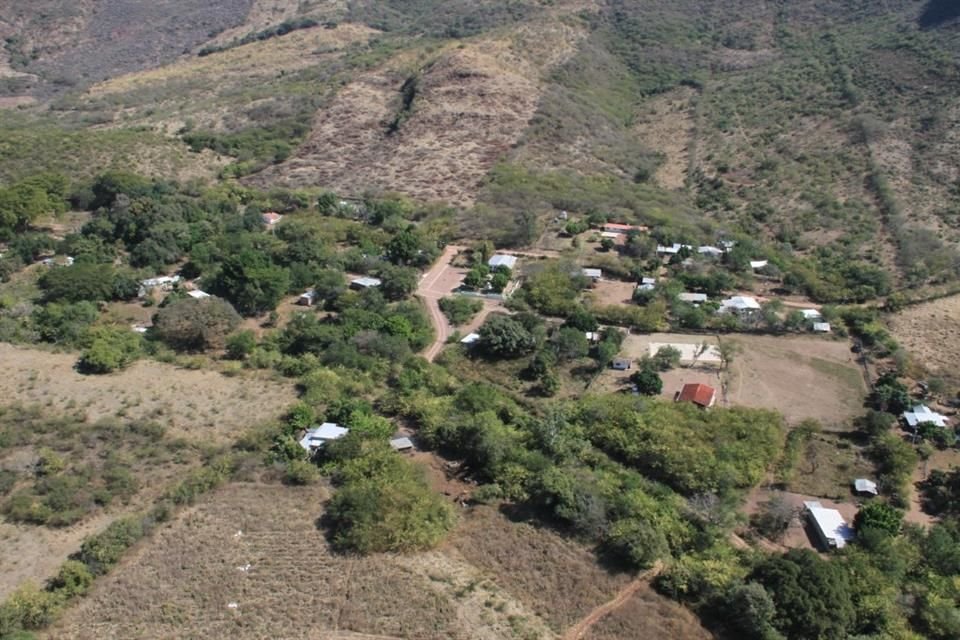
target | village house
[
  {"x": 692, "y": 298},
  {"x": 821, "y": 327},
  {"x": 316, "y": 437},
  {"x": 741, "y": 305},
  {"x": 164, "y": 283},
  {"x": 758, "y": 264},
  {"x": 673, "y": 249},
  {"x": 470, "y": 339},
  {"x": 831, "y": 529},
  {"x": 402, "y": 444},
  {"x": 862, "y": 486},
  {"x": 197, "y": 294},
  {"x": 702, "y": 395},
  {"x": 921, "y": 414},
  {"x": 307, "y": 298},
  {"x": 712, "y": 252},
  {"x": 502, "y": 260},
  {"x": 365, "y": 282}
]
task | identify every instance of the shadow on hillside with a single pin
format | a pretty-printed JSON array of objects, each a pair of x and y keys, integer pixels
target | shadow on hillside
[{"x": 938, "y": 12}]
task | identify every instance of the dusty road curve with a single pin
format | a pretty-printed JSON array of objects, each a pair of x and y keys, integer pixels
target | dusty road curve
[
  {"x": 430, "y": 291},
  {"x": 578, "y": 630}
]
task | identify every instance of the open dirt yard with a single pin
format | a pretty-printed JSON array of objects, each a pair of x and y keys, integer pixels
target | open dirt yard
[
  {"x": 608, "y": 292},
  {"x": 800, "y": 376},
  {"x": 250, "y": 562},
  {"x": 799, "y": 535},
  {"x": 929, "y": 333},
  {"x": 201, "y": 406}
]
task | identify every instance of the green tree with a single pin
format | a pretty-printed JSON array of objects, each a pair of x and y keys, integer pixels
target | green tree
[
  {"x": 666, "y": 358},
  {"x": 109, "y": 349},
  {"x": 241, "y": 344},
  {"x": 504, "y": 337},
  {"x": 251, "y": 282},
  {"x": 580, "y": 318},
  {"x": 397, "y": 282},
  {"x": 890, "y": 395},
  {"x": 878, "y": 517},
  {"x": 570, "y": 343},
  {"x": 648, "y": 381},
  {"x": 196, "y": 324},
  {"x": 460, "y": 309},
  {"x": 750, "y": 610}
]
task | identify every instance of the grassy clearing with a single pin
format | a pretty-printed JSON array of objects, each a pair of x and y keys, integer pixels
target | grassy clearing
[{"x": 828, "y": 465}]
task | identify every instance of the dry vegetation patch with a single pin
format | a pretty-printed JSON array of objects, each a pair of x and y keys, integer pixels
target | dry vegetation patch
[
  {"x": 201, "y": 406},
  {"x": 649, "y": 615},
  {"x": 929, "y": 332},
  {"x": 667, "y": 126}
]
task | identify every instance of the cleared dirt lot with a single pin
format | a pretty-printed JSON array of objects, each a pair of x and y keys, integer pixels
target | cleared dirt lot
[
  {"x": 929, "y": 332},
  {"x": 799, "y": 535},
  {"x": 201, "y": 406},
  {"x": 607, "y": 292},
  {"x": 800, "y": 376}
]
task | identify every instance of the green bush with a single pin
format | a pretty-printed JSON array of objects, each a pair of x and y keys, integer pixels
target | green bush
[
  {"x": 460, "y": 309},
  {"x": 109, "y": 349}
]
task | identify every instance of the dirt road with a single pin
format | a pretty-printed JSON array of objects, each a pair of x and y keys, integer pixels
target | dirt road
[
  {"x": 578, "y": 630},
  {"x": 436, "y": 283}
]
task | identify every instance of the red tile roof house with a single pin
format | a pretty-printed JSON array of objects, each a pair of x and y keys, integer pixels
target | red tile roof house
[{"x": 699, "y": 394}]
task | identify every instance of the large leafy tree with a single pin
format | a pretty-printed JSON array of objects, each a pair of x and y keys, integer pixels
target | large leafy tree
[
  {"x": 251, "y": 282},
  {"x": 503, "y": 336},
  {"x": 196, "y": 324}
]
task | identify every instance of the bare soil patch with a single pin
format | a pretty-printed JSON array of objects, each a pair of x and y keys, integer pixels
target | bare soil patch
[
  {"x": 799, "y": 535},
  {"x": 929, "y": 332},
  {"x": 609, "y": 292},
  {"x": 201, "y": 406},
  {"x": 800, "y": 376},
  {"x": 647, "y": 614}
]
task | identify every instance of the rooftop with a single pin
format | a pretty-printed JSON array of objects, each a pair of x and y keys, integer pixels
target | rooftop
[
  {"x": 740, "y": 303},
  {"x": 470, "y": 338},
  {"x": 921, "y": 414},
  {"x": 692, "y": 297},
  {"x": 830, "y": 524},
  {"x": 699, "y": 394},
  {"x": 366, "y": 282},
  {"x": 592, "y": 273},
  {"x": 317, "y": 436},
  {"x": 502, "y": 260}
]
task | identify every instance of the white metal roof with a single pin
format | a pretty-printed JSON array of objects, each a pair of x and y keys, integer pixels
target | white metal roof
[
  {"x": 401, "y": 443},
  {"x": 708, "y": 250},
  {"x": 502, "y": 260},
  {"x": 646, "y": 287},
  {"x": 592, "y": 273},
  {"x": 317, "y": 436},
  {"x": 470, "y": 338},
  {"x": 199, "y": 295},
  {"x": 674, "y": 248},
  {"x": 921, "y": 414},
  {"x": 758, "y": 264},
  {"x": 740, "y": 303},
  {"x": 648, "y": 281},
  {"x": 831, "y": 524},
  {"x": 367, "y": 282},
  {"x": 692, "y": 297},
  {"x": 865, "y": 486},
  {"x": 810, "y": 314},
  {"x": 821, "y": 327}
]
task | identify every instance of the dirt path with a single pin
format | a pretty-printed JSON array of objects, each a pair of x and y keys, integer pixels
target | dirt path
[
  {"x": 578, "y": 630},
  {"x": 434, "y": 285}
]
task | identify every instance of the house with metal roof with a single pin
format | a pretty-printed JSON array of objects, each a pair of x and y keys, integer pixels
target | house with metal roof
[
  {"x": 401, "y": 444},
  {"x": 502, "y": 260},
  {"x": 921, "y": 414},
  {"x": 316, "y": 437},
  {"x": 811, "y": 314},
  {"x": 692, "y": 298},
  {"x": 470, "y": 338},
  {"x": 365, "y": 282},
  {"x": 758, "y": 264},
  {"x": 739, "y": 304},
  {"x": 831, "y": 529},
  {"x": 864, "y": 486},
  {"x": 307, "y": 298},
  {"x": 197, "y": 294}
]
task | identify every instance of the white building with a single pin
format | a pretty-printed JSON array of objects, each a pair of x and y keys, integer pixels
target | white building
[
  {"x": 831, "y": 528},
  {"x": 648, "y": 281},
  {"x": 739, "y": 304},
  {"x": 401, "y": 444},
  {"x": 196, "y": 294},
  {"x": 758, "y": 264},
  {"x": 811, "y": 314},
  {"x": 315, "y": 438},
  {"x": 673, "y": 249},
  {"x": 365, "y": 282},
  {"x": 821, "y": 327},
  {"x": 502, "y": 260},
  {"x": 593, "y": 274},
  {"x": 692, "y": 298},
  {"x": 921, "y": 414},
  {"x": 707, "y": 250},
  {"x": 470, "y": 338},
  {"x": 307, "y": 298},
  {"x": 862, "y": 485}
]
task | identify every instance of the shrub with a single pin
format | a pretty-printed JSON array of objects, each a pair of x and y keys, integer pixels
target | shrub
[
  {"x": 504, "y": 337},
  {"x": 241, "y": 344},
  {"x": 460, "y": 309},
  {"x": 109, "y": 349}
]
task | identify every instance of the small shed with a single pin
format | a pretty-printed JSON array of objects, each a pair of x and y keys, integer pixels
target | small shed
[
  {"x": 648, "y": 281},
  {"x": 811, "y": 314},
  {"x": 821, "y": 327},
  {"x": 864, "y": 486},
  {"x": 197, "y": 294},
  {"x": 307, "y": 298},
  {"x": 758, "y": 264},
  {"x": 707, "y": 250},
  {"x": 921, "y": 414},
  {"x": 593, "y": 274},
  {"x": 692, "y": 298},
  {"x": 315, "y": 438},
  {"x": 470, "y": 338},
  {"x": 592, "y": 336},
  {"x": 271, "y": 218},
  {"x": 402, "y": 444},
  {"x": 621, "y": 364},
  {"x": 740, "y": 304}
]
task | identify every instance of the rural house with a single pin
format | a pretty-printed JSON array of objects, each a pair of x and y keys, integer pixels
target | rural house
[
  {"x": 692, "y": 298},
  {"x": 702, "y": 395},
  {"x": 307, "y": 298},
  {"x": 921, "y": 414},
  {"x": 502, "y": 260},
  {"x": 197, "y": 294},
  {"x": 365, "y": 282},
  {"x": 741, "y": 305},
  {"x": 621, "y": 364},
  {"x": 593, "y": 274},
  {"x": 315, "y": 438},
  {"x": 832, "y": 530},
  {"x": 402, "y": 444}
]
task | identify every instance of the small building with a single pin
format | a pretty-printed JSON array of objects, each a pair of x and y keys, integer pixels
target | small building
[
  {"x": 197, "y": 294},
  {"x": 470, "y": 338},
  {"x": 713, "y": 252},
  {"x": 315, "y": 438},
  {"x": 821, "y": 327},
  {"x": 831, "y": 529},
  {"x": 365, "y": 282},
  {"x": 673, "y": 249},
  {"x": 864, "y": 486},
  {"x": 502, "y": 260},
  {"x": 592, "y": 336},
  {"x": 593, "y": 274},
  {"x": 139, "y": 328},
  {"x": 648, "y": 281},
  {"x": 618, "y": 238},
  {"x": 739, "y": 304},
  {"x": 702, "y": 395},
  {"x": 646, "y": 287},
  {"x": 692, "y": 298},
  {"x": 271, "y": 218},
  {"x": 616, "y": 227},
  {"x": 164, "y": 283},
  {"x": 922, "y": 414},
  {"x": 402, "y": 444},
  {"x": 811, "y": 314},
  {"x": 758, "y": 264},
  {"x": 621, "y": 364},
  {"x": 307, "y": 298}
]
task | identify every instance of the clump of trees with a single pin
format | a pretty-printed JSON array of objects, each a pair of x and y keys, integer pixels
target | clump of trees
[
  {"x": 460, "y": 309},
  {"x": 109, "y": 349},
  {"x": 195, "y": 325}
]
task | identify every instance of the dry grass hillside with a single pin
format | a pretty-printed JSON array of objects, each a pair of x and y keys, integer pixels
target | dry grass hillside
[{"x": 249, "y": 562}]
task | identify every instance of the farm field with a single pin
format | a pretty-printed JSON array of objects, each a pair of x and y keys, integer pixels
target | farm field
[
  {"x": 781, "y": 373},
  {"x": 928, "y": 331},
  {"x": 258, "y": 546},
  {"x": 201, "y": 406}
]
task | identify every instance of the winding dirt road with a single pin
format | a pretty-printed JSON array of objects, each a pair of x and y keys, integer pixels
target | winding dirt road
[
  {"x": 435, "y": 284},
  {"x": 577, "y": 631}
]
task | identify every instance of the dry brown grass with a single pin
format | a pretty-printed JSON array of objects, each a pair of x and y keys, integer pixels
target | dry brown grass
[
  {"x": 667, "y": 125},
  {"x": 474, "y": 101},
  {"x": 201, "y": 406},
  {"x": 929, "y": 332},
  {"x": 649, "y": 615}
]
